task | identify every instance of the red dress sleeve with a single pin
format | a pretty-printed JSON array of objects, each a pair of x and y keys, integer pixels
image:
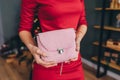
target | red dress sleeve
[
  {"x": 82, "y": 19},
  {"x": 27, "y": 14}
]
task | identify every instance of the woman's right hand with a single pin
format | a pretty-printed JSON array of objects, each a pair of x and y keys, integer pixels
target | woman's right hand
[{"x": 37, "y": 54}]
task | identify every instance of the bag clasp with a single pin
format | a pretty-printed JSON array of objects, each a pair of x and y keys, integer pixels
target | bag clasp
[{"x": 60, "y": 51}]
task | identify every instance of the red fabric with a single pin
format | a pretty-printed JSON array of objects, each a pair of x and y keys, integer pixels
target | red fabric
[
  {"x": 55, "y": 14},
  {"x": 71, "y": 71}
]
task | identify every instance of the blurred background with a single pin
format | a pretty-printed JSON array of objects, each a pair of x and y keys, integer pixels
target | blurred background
[{"x": 100, "y": 48}]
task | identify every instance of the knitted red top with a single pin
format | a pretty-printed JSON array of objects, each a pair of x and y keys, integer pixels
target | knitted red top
[{"x": 53, "y": 14}]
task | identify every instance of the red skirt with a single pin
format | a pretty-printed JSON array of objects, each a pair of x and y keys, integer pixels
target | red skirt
[{"x": 70, "y": 71}]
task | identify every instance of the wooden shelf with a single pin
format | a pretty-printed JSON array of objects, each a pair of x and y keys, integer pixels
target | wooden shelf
[
  {"x": 108, "y": 28},
  {"x": 97, "y": 43},
  {"x": 112, "y": 65},
  {"x": 108, "y": 9}
]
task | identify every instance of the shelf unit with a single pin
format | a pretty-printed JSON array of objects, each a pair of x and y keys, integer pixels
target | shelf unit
[
  {"x": 107, "y": 9},
  {"x": 101, "y": 44},
  {"x": 112, "y": 65},
  {"x": 111, "y": 28}
]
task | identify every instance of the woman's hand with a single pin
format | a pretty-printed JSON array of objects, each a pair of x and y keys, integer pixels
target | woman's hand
[
  {"x": 37, "y": 54},
  {"x": 77, "y": 40},
  {"x": 80, "y": 32},
  {"x": 27, "y": 39}
]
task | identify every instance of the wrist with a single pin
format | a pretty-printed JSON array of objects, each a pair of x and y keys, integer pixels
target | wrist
[
  {"x": 79, "y": 35},
  {"x": 30, "y": 46}
]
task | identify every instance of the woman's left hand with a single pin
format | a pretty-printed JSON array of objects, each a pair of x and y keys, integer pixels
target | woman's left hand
[
  {"x": 77, "y": 40},
  {"x": 80, "y": 32}
]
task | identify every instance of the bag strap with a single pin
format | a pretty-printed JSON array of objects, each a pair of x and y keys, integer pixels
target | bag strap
[{"x": 61, "y": 68}]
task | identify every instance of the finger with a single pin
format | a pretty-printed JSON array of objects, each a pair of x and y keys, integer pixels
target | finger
[
  {"x": 38, "y": 51},
  {"x": 41, "y": 53},
  {"x": 77, "y": 46},
  {"x": 41, "y": 62},
  {"x": 51, "y": 65},
  {"x": 74, "y": 59},
  {"x": 67, "y": 61}
]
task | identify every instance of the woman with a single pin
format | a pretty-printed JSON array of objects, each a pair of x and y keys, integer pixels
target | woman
[{"x": 53, "y": 15}]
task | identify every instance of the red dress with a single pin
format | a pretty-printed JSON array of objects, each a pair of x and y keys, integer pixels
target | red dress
[{"x": 53, "y": 15}]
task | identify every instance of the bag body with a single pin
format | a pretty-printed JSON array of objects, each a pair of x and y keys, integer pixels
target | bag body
[{"x": 59, "y": 45}]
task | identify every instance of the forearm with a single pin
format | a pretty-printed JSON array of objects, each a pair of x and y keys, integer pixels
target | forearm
[
  {"x": 27, "y": 39},
  {"x": 81, "y": 31}
]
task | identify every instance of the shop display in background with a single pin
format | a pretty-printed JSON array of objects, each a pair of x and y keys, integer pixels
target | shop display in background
[
  {"x": 114, "y": 58},
  {"x": 108, "y": 49},
  {"x": 115, "y": 4},
  {"x": 11, "y": 46},
  {"x": 13, "y": 53},
  {"x": 118, "y": 20},
  {"x": 115, "y": 44},
  {"x": 106, "y": 56},
  {"x": 14, "y": 50},
  {"x": 17, "y": 55},
  {"x": 14, "y": 45},
  {"x": 111, "y": 57}
]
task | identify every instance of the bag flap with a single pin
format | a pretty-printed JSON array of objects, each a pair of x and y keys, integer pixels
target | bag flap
[{"x": 57, "y": 39}]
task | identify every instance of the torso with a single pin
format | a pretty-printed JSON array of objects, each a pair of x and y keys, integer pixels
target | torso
[{"x": 58, "y": 14}]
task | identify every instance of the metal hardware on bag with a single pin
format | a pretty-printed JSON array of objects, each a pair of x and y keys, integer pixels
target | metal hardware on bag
[{"x": 60, "y": 51}]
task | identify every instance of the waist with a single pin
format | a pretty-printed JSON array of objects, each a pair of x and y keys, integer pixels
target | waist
[{"x": 66, "y": 66}]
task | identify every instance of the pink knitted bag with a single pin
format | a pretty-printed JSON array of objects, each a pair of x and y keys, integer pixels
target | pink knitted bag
[{"x": 59, "y": 45}]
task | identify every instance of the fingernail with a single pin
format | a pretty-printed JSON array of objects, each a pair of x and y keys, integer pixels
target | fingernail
[
  {"x": 44, "y": 54},
  {"x": 76, "y": 50},
  {"x": 38, "y": 51}
]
